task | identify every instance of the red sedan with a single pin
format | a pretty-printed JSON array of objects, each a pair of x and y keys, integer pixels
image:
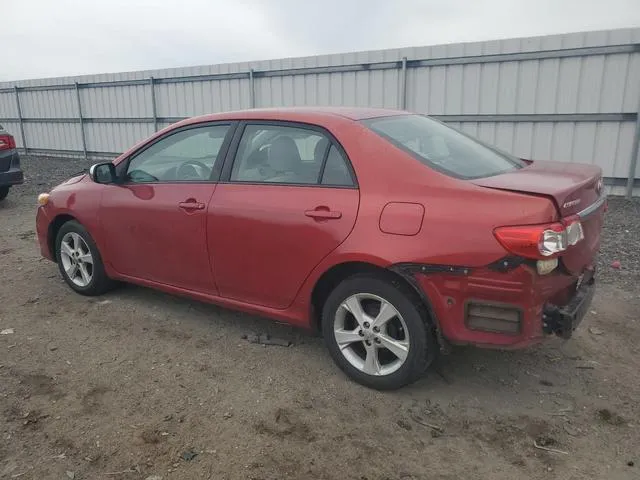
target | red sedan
[{"x": 392, "y": 233}]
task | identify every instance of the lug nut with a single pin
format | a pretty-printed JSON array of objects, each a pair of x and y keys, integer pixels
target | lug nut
[
  {"x": 377, "y": 340},
  {"x": 361, "y": 333},
  {"x": 366, "y": 324},
  {"x": 368, "y": 342},
  {"x": 376, "y": 329}
]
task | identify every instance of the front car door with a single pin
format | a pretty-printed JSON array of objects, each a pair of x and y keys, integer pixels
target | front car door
[
  {"x": 287, "y": 200},
  {"x": 155, "y": 218}
]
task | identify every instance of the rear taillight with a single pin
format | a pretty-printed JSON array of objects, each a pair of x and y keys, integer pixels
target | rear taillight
[
  {"x": 541, "y": 241},
  {"x": 7, "y": 142}
]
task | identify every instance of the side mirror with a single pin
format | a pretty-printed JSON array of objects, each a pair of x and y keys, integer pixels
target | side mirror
[{"x": 103, "y": 173}]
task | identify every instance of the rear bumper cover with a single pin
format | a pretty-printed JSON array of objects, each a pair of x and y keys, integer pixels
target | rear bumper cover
[
  {"x": 534, "y": 300},
  {"x": 10, "y": 171},
  {"x": 11, "y": 177}
]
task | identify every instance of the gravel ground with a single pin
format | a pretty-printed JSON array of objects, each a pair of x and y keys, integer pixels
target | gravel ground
[
  {"x": 138, "y": 384},
  {"x": 621, "y": 242}
]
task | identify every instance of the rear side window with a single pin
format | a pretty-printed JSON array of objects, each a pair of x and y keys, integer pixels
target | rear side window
[
  {"x": 278, "y": 154},
  {"x": 292, "y": 155},
  {"x": 443, "y": 148}
]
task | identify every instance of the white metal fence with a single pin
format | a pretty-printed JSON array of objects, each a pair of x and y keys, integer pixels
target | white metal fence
[{"x": 571, "y": 97}]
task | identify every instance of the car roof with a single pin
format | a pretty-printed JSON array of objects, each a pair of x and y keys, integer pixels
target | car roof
[{"x": 300, "y": 114}]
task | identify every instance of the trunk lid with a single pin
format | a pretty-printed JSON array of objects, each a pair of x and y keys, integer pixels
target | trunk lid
[{"x": 574, "y": 188}]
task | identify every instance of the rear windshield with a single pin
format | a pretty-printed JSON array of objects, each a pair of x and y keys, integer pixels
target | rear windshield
[{"x": 443, "y": 148}]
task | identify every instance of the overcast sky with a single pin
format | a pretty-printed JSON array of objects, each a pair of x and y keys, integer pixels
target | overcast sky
[{"x": 46, "y": 38}]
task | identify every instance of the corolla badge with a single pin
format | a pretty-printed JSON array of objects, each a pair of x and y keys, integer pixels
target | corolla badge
[{"x": 571, "y": 203}]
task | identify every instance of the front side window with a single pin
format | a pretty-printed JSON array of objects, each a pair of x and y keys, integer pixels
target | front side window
[
  {"x": 279, "y": 154},
  {"x": 442, "y": 147},
  {"x": 185, "y": 156}
]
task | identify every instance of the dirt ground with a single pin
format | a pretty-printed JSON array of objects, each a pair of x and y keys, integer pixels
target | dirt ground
[{"x": 141, "y": 385}]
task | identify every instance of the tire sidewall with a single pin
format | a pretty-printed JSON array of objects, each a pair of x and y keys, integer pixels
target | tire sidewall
[
  {"x": 4, "y": 192},
  {"x": 421, "y": 339},
  {"x": 95, "y": 286}
]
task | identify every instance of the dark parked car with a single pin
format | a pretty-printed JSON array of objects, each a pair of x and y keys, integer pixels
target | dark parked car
[
  {"x": 390, "y": 232},
  {"x": 10, "y": 172}
]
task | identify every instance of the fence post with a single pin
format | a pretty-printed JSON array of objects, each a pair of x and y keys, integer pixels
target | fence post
[
  {"x": 634, "y": 155},
  {"x": 403, "y": 84},
  {"x": 252, "y": 91},
  {"x": 24, "y": 138},
  {"x": 81, "y": 118},
  {"x": 154, "y": 110}
]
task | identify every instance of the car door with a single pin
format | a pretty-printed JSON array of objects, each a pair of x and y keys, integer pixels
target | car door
[
  {"x": 154, "y": 219},
  {"x": 287, "y": 198}
]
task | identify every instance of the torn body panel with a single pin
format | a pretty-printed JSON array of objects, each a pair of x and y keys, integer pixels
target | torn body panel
[{"x": 503, "y": 308}]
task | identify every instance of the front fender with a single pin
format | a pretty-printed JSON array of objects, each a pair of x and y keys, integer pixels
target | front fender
[{"x": 78, "y": 199}]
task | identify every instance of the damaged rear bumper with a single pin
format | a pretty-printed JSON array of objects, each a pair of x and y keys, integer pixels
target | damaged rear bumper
[
  {"x": 511, "y": 308},
  {"x": 562, "y": 321}
]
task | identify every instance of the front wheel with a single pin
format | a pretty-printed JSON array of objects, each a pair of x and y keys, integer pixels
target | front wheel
[
  {"x": 377, "y": 332},
  {"x": 79, "y": 260},
  {"x": 4, "y": 191}
]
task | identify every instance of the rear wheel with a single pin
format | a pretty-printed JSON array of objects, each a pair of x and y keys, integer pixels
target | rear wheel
[
  {"x": 4, "y": 191},
  {"x": 80, "y": 262},
  {"x": 377, "y": 332}
]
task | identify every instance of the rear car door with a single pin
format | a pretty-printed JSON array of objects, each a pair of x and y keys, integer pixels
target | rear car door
[
  {"x": 287, "y": 198},
  {"x": 155, "y": 219}
]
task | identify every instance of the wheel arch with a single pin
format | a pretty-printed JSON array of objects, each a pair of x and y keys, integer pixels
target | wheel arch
[
  {"x": 53, "y": 229},
  {"x": 339, "y": 272}
]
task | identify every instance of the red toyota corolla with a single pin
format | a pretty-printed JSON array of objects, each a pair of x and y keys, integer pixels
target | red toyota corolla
[{"x": 392, "y": 233}]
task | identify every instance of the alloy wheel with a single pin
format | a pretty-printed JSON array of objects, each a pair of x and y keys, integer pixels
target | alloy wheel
[
  {"x": 371, "y": 334},
  {"x": 76, "y": 259}
]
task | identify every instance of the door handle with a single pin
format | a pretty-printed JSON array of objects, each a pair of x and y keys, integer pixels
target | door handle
[
  {"x": 321, "y": 213},
  {"x": 191, "y": 205}
]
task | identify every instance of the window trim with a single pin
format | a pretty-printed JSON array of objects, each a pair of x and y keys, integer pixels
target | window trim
[
  {"x": 214, "y": 177},
  {"x": 231, "y": 156},
  {"x": 325, "y": 157}
]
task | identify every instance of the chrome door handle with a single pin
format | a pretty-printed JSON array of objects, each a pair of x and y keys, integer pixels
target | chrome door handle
[
  {"x": 322, "y": 214},
  {"x": 191, "y": 205}
]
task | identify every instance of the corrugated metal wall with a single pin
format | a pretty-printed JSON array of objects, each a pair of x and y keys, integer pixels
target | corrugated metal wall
[{"x": 568, "y": 97}]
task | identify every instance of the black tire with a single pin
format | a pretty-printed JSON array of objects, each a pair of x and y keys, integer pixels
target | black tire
[
  {"x": 4, "y": 191},
  {"x": 99, "y": 283},
  {"x": 422, "y": 340}
]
